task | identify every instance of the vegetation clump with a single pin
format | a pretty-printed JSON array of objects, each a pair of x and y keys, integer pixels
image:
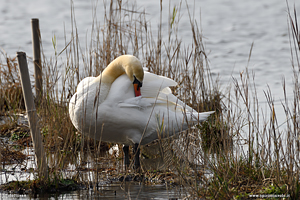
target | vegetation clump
[
  {"x": 9, "y": 155},
  {"x": 34, "y": 187}
]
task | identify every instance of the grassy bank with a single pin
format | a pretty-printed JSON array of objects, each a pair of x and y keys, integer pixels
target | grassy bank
[{"x": 240, "y": 151}]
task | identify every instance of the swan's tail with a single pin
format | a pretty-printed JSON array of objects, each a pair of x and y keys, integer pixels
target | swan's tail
[{"x": 199, "y": 117}]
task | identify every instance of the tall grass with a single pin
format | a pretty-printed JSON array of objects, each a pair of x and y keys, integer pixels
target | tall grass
[{"x": 239, "y": 151}]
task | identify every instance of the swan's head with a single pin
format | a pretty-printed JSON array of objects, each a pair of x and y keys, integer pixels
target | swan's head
[
  {"x": 125, "y": 64},
  {"x": 135, "y": 72},
  {"x": 137, "y": 86}
]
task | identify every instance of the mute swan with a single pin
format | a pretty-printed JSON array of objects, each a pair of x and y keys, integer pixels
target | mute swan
[{"x": 126, "y": 105}]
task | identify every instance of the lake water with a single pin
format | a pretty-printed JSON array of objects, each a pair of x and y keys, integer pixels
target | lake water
[
  {"x": 116, "y": 192},
  {"x": 229, "y": 28}
]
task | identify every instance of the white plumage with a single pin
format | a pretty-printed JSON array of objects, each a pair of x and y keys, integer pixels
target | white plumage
[{"x": 107, "y": 109}]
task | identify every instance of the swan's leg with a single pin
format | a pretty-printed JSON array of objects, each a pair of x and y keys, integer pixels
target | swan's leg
[
  {"x": 136, "y": 152},
  {"x": 126, "y": 156}
]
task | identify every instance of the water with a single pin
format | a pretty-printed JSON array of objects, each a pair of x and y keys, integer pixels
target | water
[
  {"x": 229, "y": 29},
  {"x": 232, "y": 30},
  {"x": 126, "y": 191}
]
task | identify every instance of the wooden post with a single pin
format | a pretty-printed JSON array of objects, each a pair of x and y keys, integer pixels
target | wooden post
[
  {"x": 36, "y": 36},
  {"x": 32, "y": 117}
]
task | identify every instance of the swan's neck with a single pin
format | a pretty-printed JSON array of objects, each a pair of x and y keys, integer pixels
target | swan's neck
[
  {"x": 125, "y": 64},
  {"x": 111, "y": 73},
  {"x": 107, "y": 77}
]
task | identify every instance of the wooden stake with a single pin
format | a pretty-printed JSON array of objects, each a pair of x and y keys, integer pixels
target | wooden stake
[
  {"x": 32, "y": 117},
  {"x": 36, "y": 36}
]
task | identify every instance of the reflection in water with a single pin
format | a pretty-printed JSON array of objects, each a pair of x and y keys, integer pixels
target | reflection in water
[{"x": 127, "y": 190}]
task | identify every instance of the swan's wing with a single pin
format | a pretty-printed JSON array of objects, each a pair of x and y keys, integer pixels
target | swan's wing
[
  {"x": 139, "y": 102},
  {"x": 144, "y": 103},
  {"x": 153, "y": 84},
  {"x": 157, "y": 87},
  {"x": 156, "y": 91},
  {"x": 177, "y": 105},
  {"x": 168, "y": 96}
]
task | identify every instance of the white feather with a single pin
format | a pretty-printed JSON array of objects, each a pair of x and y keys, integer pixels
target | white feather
[{"x": 112, "y": 113}]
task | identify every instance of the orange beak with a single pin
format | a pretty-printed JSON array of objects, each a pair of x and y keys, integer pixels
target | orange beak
[{"x": 137, "y": 89}]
